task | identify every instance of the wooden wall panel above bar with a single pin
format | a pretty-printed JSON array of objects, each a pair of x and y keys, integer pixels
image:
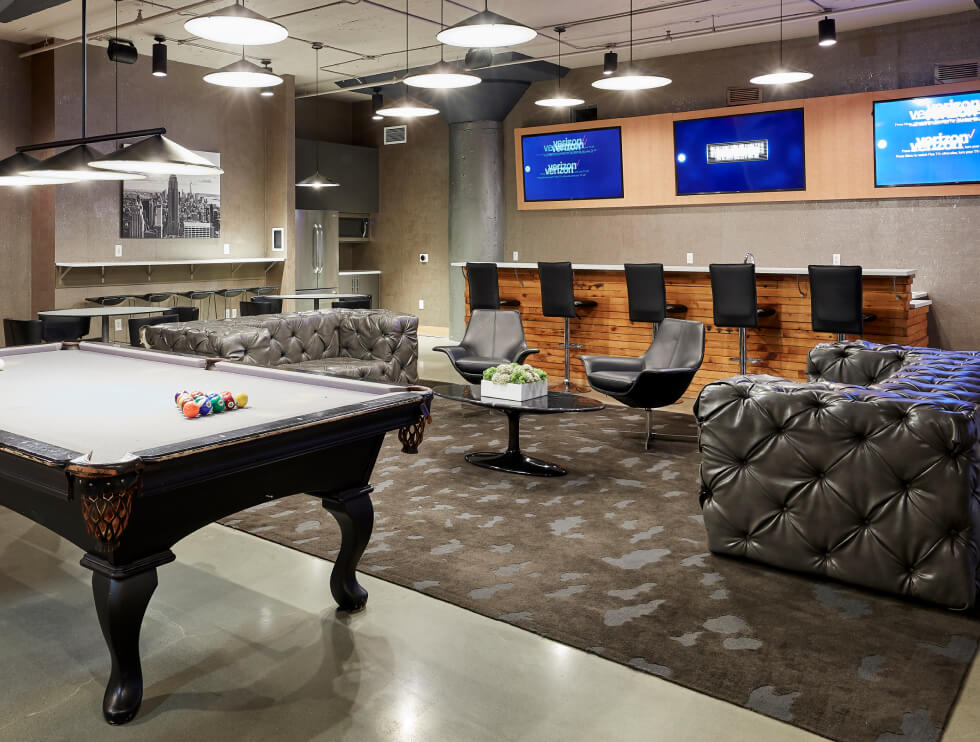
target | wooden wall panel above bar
[
  {"x": 839, "y": 134},
  {"x": 781, "y": 342}
]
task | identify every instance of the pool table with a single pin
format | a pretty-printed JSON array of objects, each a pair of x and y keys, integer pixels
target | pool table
[{"x": 93, "y": 447}]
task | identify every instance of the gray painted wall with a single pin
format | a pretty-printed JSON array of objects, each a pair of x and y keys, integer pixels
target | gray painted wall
[{"x": 936, "y": 236}]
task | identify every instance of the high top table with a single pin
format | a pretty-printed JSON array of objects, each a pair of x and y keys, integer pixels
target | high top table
[{"x": 316, "y": 297}]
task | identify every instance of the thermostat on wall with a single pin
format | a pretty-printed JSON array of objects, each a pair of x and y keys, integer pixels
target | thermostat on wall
[{"x": 278, "y": 239}]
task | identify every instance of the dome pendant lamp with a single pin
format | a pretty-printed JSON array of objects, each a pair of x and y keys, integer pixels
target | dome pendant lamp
[
  {"x": 559, "y": 99},
  {"x": 782, "y": 76},
  {"x": 243, "y": 74},
  {"x": 317, "y": 180},
  {"x": 407, "y": 107},
  {"x": 630, "y": 79},
  {"x": 442, "y": 76},
  {"x": 486, "y": 30}
]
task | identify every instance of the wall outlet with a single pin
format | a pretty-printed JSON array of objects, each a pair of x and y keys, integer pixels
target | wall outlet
[
  {"x": 227, "y": 249},
  {"x": 234, "y": 313},
  {"x": 118, "y": 325},
  {"x": 515, "y": 256},
  {"x": 423, "y": 257},
  {"x": 421, "y": 303},
  {"x": 118, "y": 251},
  {"x": 690, "y": 258},
  {"x": 836, "y": 258},
  {"x": 227, "y": 314}
]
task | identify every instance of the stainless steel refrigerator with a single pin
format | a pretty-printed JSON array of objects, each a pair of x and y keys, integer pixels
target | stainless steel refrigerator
[{"x": 317, "y": 250}]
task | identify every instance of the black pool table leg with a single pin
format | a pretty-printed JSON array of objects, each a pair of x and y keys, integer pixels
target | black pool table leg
[{"x": 355, "y": 515}]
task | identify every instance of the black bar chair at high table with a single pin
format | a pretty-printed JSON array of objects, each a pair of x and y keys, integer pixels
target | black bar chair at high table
[
  {"x": 735, "y": 304},
  {"x": 21, "y": 332},
  {"x": 484, "y": 284},
  {"x": 558, "y": 300},
  {"x": 836, "y": 300},
  {"x": 646, "y": 294}
]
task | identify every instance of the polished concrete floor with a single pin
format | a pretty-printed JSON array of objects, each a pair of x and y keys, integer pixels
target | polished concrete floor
[{"x": 242, "y": 642}]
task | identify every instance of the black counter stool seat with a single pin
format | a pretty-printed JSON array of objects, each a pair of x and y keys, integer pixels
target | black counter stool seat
[
  {"x": 227, "y": 294},
  {"x": 558, "y": 300},
  {"x": 22, "y": 332},
  {"x": 206, "y": 296},
  {"x": 138, "y": 323},
  {"x": 493, "y": 337},
  {"x": 735, "y": 304},
  {"x": 270, "y": 306},
  {"x": 155, "y": 297},
  {"x": 186, "y": 314},
  {"x": 836, "y": 299},
  {"x": 484, "y": 284},
  {"x": 646, "y": 294},
  {"x": 658, "y": 378},
  {"x": 107, "y": 301}
]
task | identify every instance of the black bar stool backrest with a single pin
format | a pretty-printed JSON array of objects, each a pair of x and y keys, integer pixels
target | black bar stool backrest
[
  {"x": 836, "y": 298},
  {"x": 363, "y": 302},
  {"x": 484, "y": 287},
  {"x": 21, "y": 332},
  {"x": 271, "y": 306},
  {"x": 59, "y": 329},
  {"x": 646, "y": 292},
  {"x": 137, "y": 323},
  {"x": 187, "y": 314},
  {"x": 253, "y": 308},
  {"x": 733, "y": 294},
  {"x": 557, "y": 289}
]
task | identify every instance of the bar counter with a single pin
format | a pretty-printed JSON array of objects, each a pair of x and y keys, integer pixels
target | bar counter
[{"x": 781, "y": 342}]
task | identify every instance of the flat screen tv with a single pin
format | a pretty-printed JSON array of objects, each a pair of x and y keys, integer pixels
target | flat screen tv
[
  {"x": 573, "y": 165},
  {"x": 745, "y": 153},
  {"x": 927, "y": 141}
]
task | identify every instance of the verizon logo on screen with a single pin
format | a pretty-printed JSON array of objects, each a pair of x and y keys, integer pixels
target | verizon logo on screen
[{"x": 756, "y": 150}]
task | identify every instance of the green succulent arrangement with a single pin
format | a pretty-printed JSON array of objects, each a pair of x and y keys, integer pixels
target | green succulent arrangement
[{"x": 514, "y": 373}]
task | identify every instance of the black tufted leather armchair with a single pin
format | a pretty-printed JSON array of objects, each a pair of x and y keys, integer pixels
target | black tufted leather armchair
[
  {"x": 492, "y": 337},
  {"x": 867, "y": 474}
]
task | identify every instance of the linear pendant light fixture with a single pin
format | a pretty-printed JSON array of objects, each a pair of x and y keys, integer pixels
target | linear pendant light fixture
[
  {"x": 630, "y": 79},
  {"x": 559, "y": 100},
  {"x": 486, "y": 30},
  {"x": 157, "y": 155},
  {"x": 407, "y": 107},
  {"x": 236, "y": 25},
  {"x": 12, "y": 167},
  {"x": 782, "y": 76},
  {"x": 442, "y": 76},
  {"x": 317, "y": 180}
]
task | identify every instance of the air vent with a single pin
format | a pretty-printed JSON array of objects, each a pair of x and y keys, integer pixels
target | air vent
[
  {"x": 744, "y": 96},
  {"x": 967, "y": 69},
  {"x": 396, "y": 134}
]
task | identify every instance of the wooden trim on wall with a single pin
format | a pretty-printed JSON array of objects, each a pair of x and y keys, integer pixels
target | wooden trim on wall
[{"x": 839, "y": 140}]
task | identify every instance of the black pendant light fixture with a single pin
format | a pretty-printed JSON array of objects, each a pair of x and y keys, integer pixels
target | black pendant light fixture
[
  {"x": 782, "y": 76},
  {"x": 317, "y": 180},
  {"x": 159, "y": 57},
  {"x": 377, "y": 102},
  {"x": 407, "y": 107},
  {"x": 486, "y": 30},
  {"x": 442, "y": 76},
  {"x": 827, "y": 32},
  {"x": 610, "y": 63},
  {"x": 630, "y": 78},
  {"x": 559, "y": 99}
]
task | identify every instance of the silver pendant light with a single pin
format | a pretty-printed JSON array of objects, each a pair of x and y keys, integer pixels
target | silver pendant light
[
  {"x": 243, "y": 74},
  {"x": 407, "y": 107},
  {"x": 630, "y": 78},
  {"x": 12, "y": 167},
  {"x": 157, "y": 155},
  {"x": 559, "y": 99},
  {"x": 486, "y": 30},
  {"x": 781, "y": 76},
  {"x": 442, "y": 76},
  {"x": 317, "y": 180},
  {"x": 236, "y": 25}
]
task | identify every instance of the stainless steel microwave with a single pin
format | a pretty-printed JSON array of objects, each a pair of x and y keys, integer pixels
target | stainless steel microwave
[{"x": 354, "y": 228}]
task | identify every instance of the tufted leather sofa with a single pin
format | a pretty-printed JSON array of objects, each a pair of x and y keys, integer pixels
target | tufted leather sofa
[
  {"x": 371, "y": 344},
  {"x": 867, "y": 473}
]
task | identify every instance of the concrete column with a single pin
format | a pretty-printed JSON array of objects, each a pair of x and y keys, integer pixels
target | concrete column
[{"x": 476, "y": 206}]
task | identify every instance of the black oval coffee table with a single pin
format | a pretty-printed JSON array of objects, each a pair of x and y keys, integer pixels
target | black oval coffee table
[{"x": 513, "y": 460}]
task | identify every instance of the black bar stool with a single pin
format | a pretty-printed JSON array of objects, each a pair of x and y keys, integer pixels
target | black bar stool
[
  {"x": 558, "y": 300},
  {"x": 155, "y": 297},
  {"x": 735, "y": 303},
  {"x": 485, "y": 287},
  {"x": 260, "y": 291},
  {"x": 205, "y": 296},
  {"x": 227, "y": 294},
  {"x": 107, "y": 301},
  {"x": 646, "y": 294},
  {"x": 836, "y": 300},
  {"x": 364, "y": 302},
  {"x": 269, "y": 306},
  {"x": 22, "y": 332}
]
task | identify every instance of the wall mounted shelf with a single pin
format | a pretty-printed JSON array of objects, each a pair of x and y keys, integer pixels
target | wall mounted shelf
[{"x": 236, "y": 263}]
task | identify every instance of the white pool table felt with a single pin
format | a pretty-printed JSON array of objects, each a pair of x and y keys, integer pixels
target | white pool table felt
[{"x": 115, "y": 406}]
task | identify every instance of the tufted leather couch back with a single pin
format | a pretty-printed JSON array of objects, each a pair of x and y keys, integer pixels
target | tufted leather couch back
[
  {"x": 868, "y": 473},
  {"x": 362, "y": 343}
]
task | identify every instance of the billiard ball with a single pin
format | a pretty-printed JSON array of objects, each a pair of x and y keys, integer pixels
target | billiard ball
[
  {"x": 217, "y": 404},
  {"x": 205, "y": 407},
  {"x": 229, "y": 400},
  {"x": 241, "y": 399},
  {"x": 183, "y": 399},
  {"x": 191, "y": 409}
]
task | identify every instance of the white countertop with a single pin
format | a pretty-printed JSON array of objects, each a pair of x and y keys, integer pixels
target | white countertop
[
  {"x": 877, "y": 272},
  {"x": 359, "y": 273}
]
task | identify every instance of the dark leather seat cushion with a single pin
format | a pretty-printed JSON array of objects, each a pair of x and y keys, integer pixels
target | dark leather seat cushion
[
  {"x": 477, "y": 364},
  {"x": 350, "y": 368},
  {"x": 612, "y": 381}
]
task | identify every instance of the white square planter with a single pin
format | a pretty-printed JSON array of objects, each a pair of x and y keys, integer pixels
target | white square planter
[{"x": 514, "y": 392}]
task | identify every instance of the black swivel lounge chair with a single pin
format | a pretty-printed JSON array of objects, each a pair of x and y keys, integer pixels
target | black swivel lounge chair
[
  {"x": 836, "y": 298},
  {"x": 657, "y": 378},
  {"x": 492, "y": 337}
]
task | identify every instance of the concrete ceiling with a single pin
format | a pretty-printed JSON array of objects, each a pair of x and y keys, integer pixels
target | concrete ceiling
[{"x": 367, "y": 37}]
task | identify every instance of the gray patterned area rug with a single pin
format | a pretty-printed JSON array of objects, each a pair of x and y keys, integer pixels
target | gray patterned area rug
[{"x": 612, "y": 559}]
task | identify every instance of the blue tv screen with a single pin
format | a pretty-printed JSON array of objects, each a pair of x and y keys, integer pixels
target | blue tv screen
[
  {"x": 573, "y": 165},
  {"x": 740, "y": 154},
  {"x": 927, "y": 141}
]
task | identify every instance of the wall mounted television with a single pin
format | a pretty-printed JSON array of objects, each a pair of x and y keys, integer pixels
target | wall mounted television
[
  {"x": 573, "y": 165},
  {"x": 743, "y": 153},
  {"x": 927, "y": 141}
]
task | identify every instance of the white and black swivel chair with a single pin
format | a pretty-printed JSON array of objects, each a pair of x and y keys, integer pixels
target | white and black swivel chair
[
  {"x": 836, "y": 300},
  {"x": 657, "y": 378},
  {"x": 492, "y": 337}
]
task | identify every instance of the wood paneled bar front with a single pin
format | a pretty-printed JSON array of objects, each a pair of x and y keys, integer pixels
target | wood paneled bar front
[{"x": 781, "y": 342}]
